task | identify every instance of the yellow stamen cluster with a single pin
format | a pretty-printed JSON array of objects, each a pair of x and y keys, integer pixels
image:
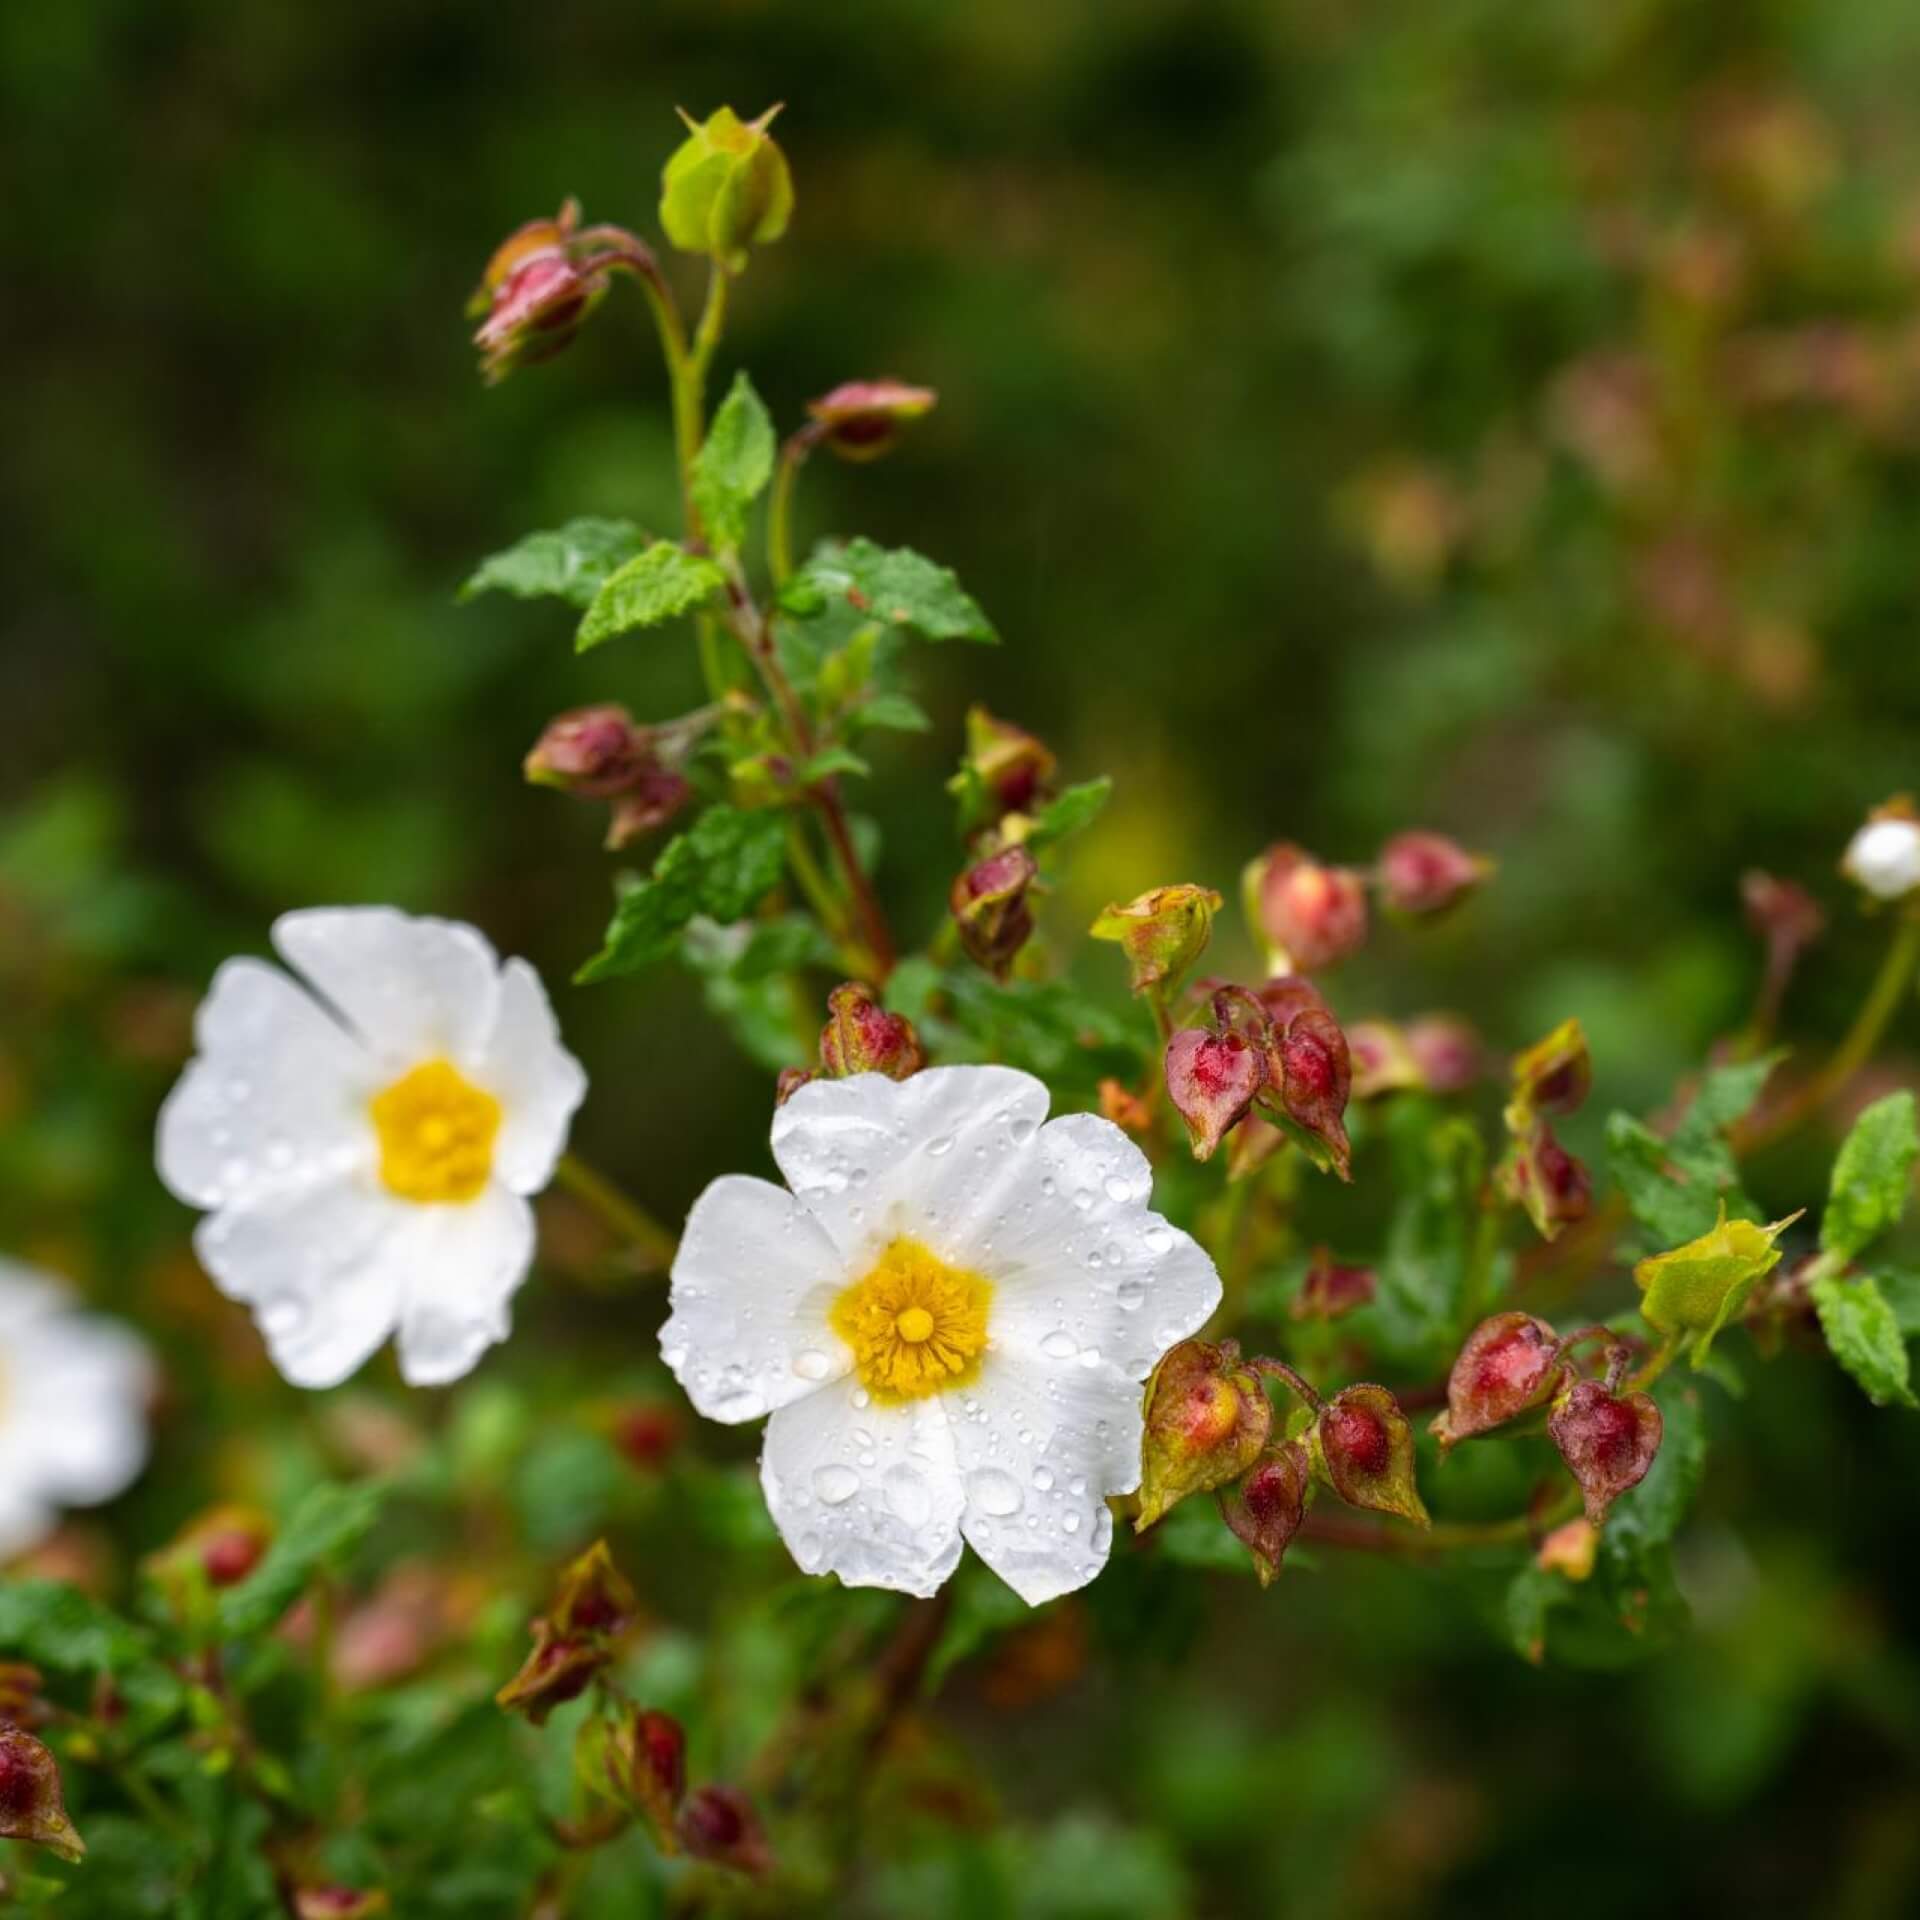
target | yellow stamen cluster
[
  {"x": 436, "y": 1133},
  {"x": 916, "y": 1325}
]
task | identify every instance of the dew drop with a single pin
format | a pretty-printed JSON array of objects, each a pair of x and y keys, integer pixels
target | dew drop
[
  {"x": 811, "y": 1364},
  {"x": 1158, "y": 1239},
  {"x": 862, "y": 1398},
  {"x": 993, "y": 1492},
  {"x": 941, "y": 1143},
  {"x": 1129, "y": 1294},
  {"x": 1102, "y": 1531},
  {"x": 1083, "y": 1199},
  {"x": 835, "y": 1484},
  {"x": 1060, "y": 1345},
  {"x": 1118, "y": 1189},
  {"x": 1070, "y": 1521},
  {"x": 1043, "y": 1479},
  {"x": 1021, "y": 1130}
]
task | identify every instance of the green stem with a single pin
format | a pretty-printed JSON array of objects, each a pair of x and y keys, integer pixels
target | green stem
[
  {"x": 624, "y": 1217},
  {"x": 1882, "y": 1002},
  {"x": 1333, "y": 1530},
  {"x": 793, "y": 455}
]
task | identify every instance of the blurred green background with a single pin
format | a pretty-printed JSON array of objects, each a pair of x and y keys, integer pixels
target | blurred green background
[{"x": 1496, "y": 418}]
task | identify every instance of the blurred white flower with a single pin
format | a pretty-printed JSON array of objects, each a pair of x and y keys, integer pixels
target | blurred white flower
[
  {"x": 948, "y": 1317},
  {"x": 74, "y": 1391},
  {"x": 1884, "y": 856},
  {"x": 365, "y": 1141}
]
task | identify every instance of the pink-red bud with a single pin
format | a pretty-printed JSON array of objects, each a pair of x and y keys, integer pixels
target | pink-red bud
[
  {"x": 991, "y": 909},
  {"x": 1446, "y": 1052},
  {"x": 1544, "y": 1178},
  {"x": 1266, "y": 1509},
  {"x": 1309, "y": 915},
  {"x": 1006, "y": 770},
  {"x": 1553, "y": 1077},
  {"x": 1423, "y": 874},
  {"x": 1207, "y": 1417},
  {"x": 861, "y": 1036},
  {"x": 1309, "y": 1075},
  {"x": 1366, "y": 1447},
  {"x": 339, "y": 1903},
  {"x": 861, "y": 419},
  {"x": 1331, "y": 1291},
  {"x": 719, "y": 1825},
  {"x": 648, "y": 1434},
  {"x": 595, "y": 751},
  {"x": 1212, "y": 1079},
  {"x": 1607, "y": 1441},
  {"x": 1508, "y": 1365},
  {"x": 31, "y": 1806}
]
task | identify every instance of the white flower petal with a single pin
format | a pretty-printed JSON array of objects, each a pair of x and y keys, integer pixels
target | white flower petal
[
  {"x": 1040, "y": 1445},
  {"x": 413, "y": 989},
  {"x": 460, "y": 1267},
  {"x": 318, "y": 1266},
  {"x": 536, "y": 1080},
  {"x": 277, "y": 1095},
  {"x": 24, "y": 1520},
  {"x": 752, "y": 1285},
  {"x": 1884, "y": 858},
  {"x": 75, "y": 1390},
  {"x": 869, "y": 1493},
  {"x": 926, "y": 1157},
  {"x": 27, "y": 1295},
  {"x": 1082, "y": 1268}
]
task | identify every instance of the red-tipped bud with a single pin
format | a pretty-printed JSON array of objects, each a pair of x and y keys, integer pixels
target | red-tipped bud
[
  {"x": 536, "y": 312},
  {"x": 31, "y": 1807},
  {"x": 1423, "y": 874},
  {"x": 1608, "y": 1442},
  {"x": 230, "y": 1555},
  {"x": 1162, "y": 933},
  {"x": 861, "y": 419},
  {"x": 1331, "y": 1291},
  {"x": 1212, "y": 1079},
  {"x": 861, "y": 1036},
  {"x": 654, "y": 797},
  {"x": 1540, "y": 1175},
  {"x": 339, "y": 1903},
  {"x": 991, "y": 908},
  {"x": 1005, "y": 770},
  {"x": 593, "y": 1595},
  {"x": 1553, "y": 1077},
  {"x": 648, "y": 1434},
  {"x": 719, "y": 1825},
  {"x": 1382, "y": 1060},
  {"x": 1309, "y": 915},
  {"x": 636, "y": 1757},
  {"x": 1266, "y": 1509},
  {"x": 1366, "y": 1448},
  {"x": 1447, "y": 1052},
  {"x": 1309, "y": 1075},
  {"x": 556, "y": 1671},
  {"x": 1207, "y": 1417},
  {"x": 595, "y": 751},
  {"x": 1509, "y": 1364},
  {"x": 219, "y": 1549},
  {"x": 791, "y": 1080}
]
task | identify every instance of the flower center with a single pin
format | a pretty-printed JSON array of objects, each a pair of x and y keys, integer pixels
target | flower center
[
  {"x": 436, "y": 1133},
  {"x": 916, "y": 1325}
]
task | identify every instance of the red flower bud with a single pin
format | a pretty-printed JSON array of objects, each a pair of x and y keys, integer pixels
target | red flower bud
[
  {"x": 593, "y": 1596},
  {"x": 1267, "y": 1508},
  {"x": 991, "y": 908},
  {"x": 1382, "y": 1060},
  {"x": 1781, "y": 912},
  {"x": 648, "y": 1434},
  {"x": 1446, "y": 1051},
  {"x": 1366, "y": 1448},
  {"x": 1309, "y": 1076},
  {"x": 592, "y": 1603},
  {"x": 1212, "y": 1079},
  {"x": 791, "y": 1080},
  {"x": 1509, "y": 1364},
  {"x": 861, "y": 1036},
  {"x": 655, "y": 796},
  {"x": 1331, "y": 1291},
  {"x": 1540, "y": 1175},
  {"x": 595, "y": 751},
  {"x": 541, "y": 284},
  {"x": 1207, "y": 1417},
  {"x": 1005, "y": 770},
  {"x": 719, "y": 1825},
  {"x": 31, "y": 1807},
  {"x": 1553, "y": 1077},
  {"x": 861, "y": 419},
  {"x": 1424, "y": 874},
  {"x": 220, "y": 1548},
  {"x": 229, "y": 1556},
  {"x": 636, "y": 1757},
  {"x": 1310, "y": 916},
  {"x": 1607, "y": 1442}
]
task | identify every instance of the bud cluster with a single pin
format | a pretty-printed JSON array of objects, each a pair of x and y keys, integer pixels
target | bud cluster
[
  {"x": 575, "y": 1639},
  {"x": 598, "y": 753},
  {"x": 860, "y": 1036}
]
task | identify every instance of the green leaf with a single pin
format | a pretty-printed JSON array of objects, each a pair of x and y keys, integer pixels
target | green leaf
[
  {"x": 899, "y": 586},
  {"x": 324, "y": 1529},
  {"x": 1727, "y": 1093},
  {"x": 733, "y": 465},
  {"x": 832, "y": 760},
  {"x": 54, "y": 1625},
  {"x": 1193, "y": 1534},
  {"x": 1694, "y": 1290},
  {"x": 743, "y": 972},
  {"x": 1066, "y": 814},
  {"x": 1863, "y": 1334},
  {"x": 1427, "y": 1269},
  {"x": 657, "y": 585},
  {"x": 893, "y": 710},
  {"x": 721, "y": 866},
  {"x": 571, "y": 563},
  {"x": 1900, "y": 1288},
  {"x": 1872, "y": 1176}
]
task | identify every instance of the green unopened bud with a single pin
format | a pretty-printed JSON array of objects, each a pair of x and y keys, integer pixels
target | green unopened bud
[
  {"x": 31, "y": 1807},
  {"x": 1269, "y": 1505},
  {"x": 1365, "y": 1448},
  {"x": 1695, "y": 1290},
  {"x": 726, "y": 188},
  {"x": 1005, "y": 770},
  {"x": 1207, "y": 1418},
  {"x": 1162, "y": 932},
  {"x": 861, "y": 1036},
  {"x": 1553, "y": 1077}
]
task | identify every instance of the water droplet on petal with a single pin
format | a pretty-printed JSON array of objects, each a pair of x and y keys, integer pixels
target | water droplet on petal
[
  {"x": 1118, "y": 1189},
  {"x": 1158, "y": 1239},
  {"x": 939, "y": 1144},
  {"x": 993, "y": 1492},
  {"x": 1061, "y": 1345},
  {"x": 1043, "y": 1479},
  {"x": 1022, "y": 1130},
  {"x": 811, "y": 1364},
  {"x": 1070, "y": 1521},
  {"x": 835, "y": 1484}
]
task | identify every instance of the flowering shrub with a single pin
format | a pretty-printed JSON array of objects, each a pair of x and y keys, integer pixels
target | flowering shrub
[{"x": 1034, "y": 1314}]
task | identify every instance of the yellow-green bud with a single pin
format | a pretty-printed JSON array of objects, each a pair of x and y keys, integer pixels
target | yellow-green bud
[{"x": 726, "y": 188}]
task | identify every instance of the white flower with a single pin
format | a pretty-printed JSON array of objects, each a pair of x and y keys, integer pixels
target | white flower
[
  {"x": 949, "y": 1318},
  {"x": 1884, "y": 856},
  {"x": 73, "y": 1407},
  {"x": 365, "y": 1142}
]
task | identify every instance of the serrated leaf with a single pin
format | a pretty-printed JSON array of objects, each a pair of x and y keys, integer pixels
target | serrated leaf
[
  {"x": 570, "y": 563},
  {"x": 900, "y": 587},
  {"x": 743, "y": 972},
  {"x": 721, "y": 866},
  {"x": 327, "y": 1525},
  {"x": 655, "y": 586},
  {"x": 734, "y": 464},
  {"x": 1070, "y": 811},
  {"x": 1863, "y": 1334},
  {"x": 1871, "y": 1177},
  {"x": 1696, "y": 1289}
]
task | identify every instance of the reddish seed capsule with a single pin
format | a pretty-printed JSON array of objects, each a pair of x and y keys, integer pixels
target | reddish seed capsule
[
  {"x": 1212, "y": 1079},
  {"x": 1309, "y": 915},
  {"x": 1508, "y": 1364},
  {"x": 1607, "y": 1442},
  {"x": 1366, "y": 1447},
  {"x": 1423, "y": 874},
  {"x": 228, "y": 1557}
]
